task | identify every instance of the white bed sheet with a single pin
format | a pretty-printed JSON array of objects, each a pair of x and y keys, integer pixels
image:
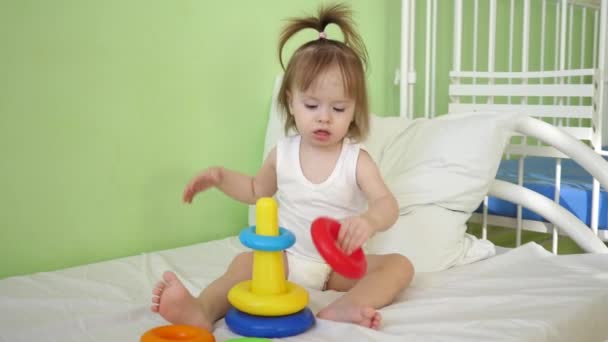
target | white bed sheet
[{"x": 525, "y": 294}]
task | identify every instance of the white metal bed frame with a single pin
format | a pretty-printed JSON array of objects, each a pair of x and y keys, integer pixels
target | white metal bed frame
[{"x": 571, "y": 97}]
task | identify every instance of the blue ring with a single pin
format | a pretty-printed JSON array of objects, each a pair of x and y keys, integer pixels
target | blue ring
[
  {"x": 270, "y": 327},
  {"x": 257, "y": 242}
]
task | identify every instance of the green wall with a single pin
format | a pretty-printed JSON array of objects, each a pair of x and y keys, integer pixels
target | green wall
[{"x": 107, "y": 108}]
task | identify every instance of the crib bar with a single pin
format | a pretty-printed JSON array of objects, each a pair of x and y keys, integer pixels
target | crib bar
[
  {"x": 434, "y": 59},
  {"x": 581, "y": 133},
  {"x": 562, "y": 45},
  {"x": 584, "y": 112},
  {"x": 511, "y": 29},
  {"x": 596, "y": 28},
  {"x": 475, "y": 39},
  {"x": 456, "y": 62},
  {"x": 542, "y": 50},
  {"x": 412, "y": 45},
  {"x": 492, "y": 43},
  {"x": 563, "y": 32},
  {"x": 542, "y": 37},
  {"x": 404, "y": 83},
  {"x": 492, "y": 36},
  {"x": 528, "y": 225},
  {"x": 554, "y": 239},
  {"x": 584, "y": 4},
  {"x": 484, "y": 223},
  {"x": 600, "y": 128},
  {"x": 427, "y": 59},
  {"x": 556, "y": 196},
  {"x": 595, "y": 203},
  {"x": 525, "y": 39},
  {"x": 570, "y": 35},
  {"x": 557, "y": 46},
  {"x": 525, "y": 47},
  {"x": 601, "y": 125},
  {"x": 520, "y": 182},
  {"x": 522, "y": 75},
  {"x": 566, "y": 90},
  {"x": 583, "y": 47},
  {"x": 535, "y": 151},
  {"x": 570, "y": 48}
]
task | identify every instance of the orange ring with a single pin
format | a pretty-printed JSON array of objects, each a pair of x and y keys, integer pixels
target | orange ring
[{"x": 182, "y": 333}]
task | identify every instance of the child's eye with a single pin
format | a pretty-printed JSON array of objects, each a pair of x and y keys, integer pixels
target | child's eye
[
  {"x": 310, "y": 106},
  {"x": 339, "y": 110}
]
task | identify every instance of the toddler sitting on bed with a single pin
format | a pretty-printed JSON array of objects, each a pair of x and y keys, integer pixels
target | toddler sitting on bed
[{"x": 321, "y": 171}]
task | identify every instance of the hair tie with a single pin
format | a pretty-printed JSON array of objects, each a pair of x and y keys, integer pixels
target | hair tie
[{"x": 322, "y": 35}]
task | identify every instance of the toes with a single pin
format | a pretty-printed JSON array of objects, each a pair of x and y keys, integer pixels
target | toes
[
  {"x": 157, "y": 291},
  {"x": 169, "y": 277},
  {"x": 368, "y": 313},
  {"x": 156, "y": 300},
  {"x": 376, "y": 321},
  {"x": 154, "y": 308}
]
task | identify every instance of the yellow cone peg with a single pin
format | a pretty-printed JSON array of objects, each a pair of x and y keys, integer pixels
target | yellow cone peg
[{"x": 268, "y": 276}]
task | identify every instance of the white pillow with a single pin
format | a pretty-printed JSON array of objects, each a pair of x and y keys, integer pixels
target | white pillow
[
  {"x": 449, "y": 161},
  {"x": 383, "y": 130},
  {"x": 440, "y": 170},
  {"x": 432, "y": 237}
]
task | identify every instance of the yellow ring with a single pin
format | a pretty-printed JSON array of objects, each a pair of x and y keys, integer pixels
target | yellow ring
[{"x": 292, "y": 301}]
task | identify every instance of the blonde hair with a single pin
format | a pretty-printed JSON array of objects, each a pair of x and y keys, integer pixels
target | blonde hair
[{"x": 317, "y": 56}]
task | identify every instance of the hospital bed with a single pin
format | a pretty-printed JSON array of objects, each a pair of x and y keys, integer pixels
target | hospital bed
[{"x": 521, "y": 294}]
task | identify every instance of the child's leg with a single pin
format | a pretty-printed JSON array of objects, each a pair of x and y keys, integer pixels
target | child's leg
[
  {"x": 173, "y": 301},
  {"x": 387, "y": 275}
]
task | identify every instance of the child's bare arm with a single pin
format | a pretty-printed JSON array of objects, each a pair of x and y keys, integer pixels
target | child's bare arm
[
  {"x": 382, "y": 211},
  {"x": 239, "y": 186}
]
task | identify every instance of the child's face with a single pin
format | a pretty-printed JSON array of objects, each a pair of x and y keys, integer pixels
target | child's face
[{"x": 324, "y": 111}]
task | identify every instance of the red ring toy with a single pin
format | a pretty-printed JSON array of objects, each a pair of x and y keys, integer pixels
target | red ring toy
[
  {"x": 324, "y": 231},
  {"x": 183, "y": 333}
]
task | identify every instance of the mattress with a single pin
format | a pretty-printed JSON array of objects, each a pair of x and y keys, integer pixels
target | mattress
[
  {"x": 523, "y": 294},
  {"x": 539, "y": 175}
]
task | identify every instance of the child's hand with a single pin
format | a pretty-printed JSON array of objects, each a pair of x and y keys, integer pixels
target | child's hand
[
  {"x": 203, "y": 181},
  {"x": 354, "y": 232}
]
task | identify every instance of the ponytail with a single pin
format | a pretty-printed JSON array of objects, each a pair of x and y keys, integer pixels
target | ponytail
[{"x": 338, "y": 14}]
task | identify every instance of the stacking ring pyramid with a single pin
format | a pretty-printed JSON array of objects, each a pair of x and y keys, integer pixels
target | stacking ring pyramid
[{"x": 268, "y": 305}]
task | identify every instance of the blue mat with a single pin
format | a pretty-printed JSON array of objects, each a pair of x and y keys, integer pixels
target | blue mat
[{"x": 539, "y": 176}]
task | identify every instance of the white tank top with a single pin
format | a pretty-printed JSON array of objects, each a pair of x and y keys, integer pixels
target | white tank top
[{"x": 301, "y": 202}]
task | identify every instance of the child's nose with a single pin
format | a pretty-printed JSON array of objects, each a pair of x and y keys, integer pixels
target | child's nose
[{"x": 324, "y": 116}]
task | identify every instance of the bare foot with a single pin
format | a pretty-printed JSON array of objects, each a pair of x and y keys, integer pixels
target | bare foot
[
  {"x": 174, "y": 303},
  {"x": 346, "y": 312}
]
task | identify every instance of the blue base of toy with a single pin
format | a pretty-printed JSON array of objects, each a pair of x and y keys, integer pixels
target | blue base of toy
[{"x": 269, "y": 326}]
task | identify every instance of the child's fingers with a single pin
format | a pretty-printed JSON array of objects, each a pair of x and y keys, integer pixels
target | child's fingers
[
  {"x": 347, "y": 242},
  {"x": 342, "y": 233},
  {"x": 357, "y": 239},
  {"x": 351, "y": 244},
  {"x": 347, "y": 245},
  {"x": 188, "y": 194}
]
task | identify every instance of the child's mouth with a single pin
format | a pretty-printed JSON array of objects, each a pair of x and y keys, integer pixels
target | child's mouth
[{"x": 321, "y": 134}]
